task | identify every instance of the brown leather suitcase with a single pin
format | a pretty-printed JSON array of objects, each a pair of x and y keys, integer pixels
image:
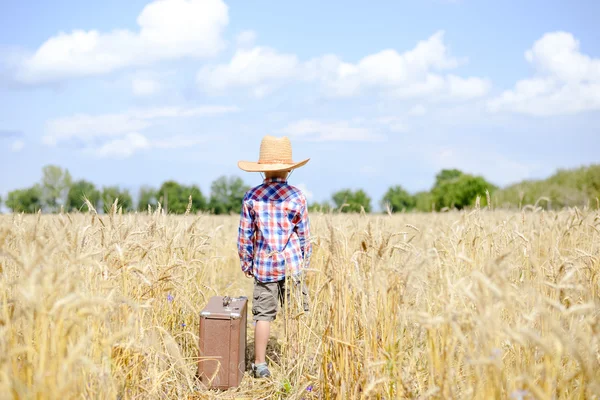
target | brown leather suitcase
[{"x": 223, "y": 342}]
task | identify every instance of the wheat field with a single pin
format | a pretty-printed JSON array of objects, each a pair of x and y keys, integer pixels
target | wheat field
[{"x": 458, "y": 305}]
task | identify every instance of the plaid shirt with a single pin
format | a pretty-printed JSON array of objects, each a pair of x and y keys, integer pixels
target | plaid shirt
[{"x": 274, "y": 231}]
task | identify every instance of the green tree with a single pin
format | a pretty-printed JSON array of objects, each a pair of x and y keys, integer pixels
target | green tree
[
  {"x": 227, "y": 194},
  {"x": 447, "y": 175},
  {"x": 110, "y": 193},
  {"x": 461, "y": 191},
  {"x": 352, "y": 201},
  {"x": 55, "y": 186},
  {"x": 565, "y": 188},
  {"x": 398, "y": 199},
  {"x": 78, "y": 191},
  {"x": 424, "y": 201},
  {"x": 25, "y": 200},
  {"x": 592, "y": 181},
  {"x": 148, "y": 196},
  {"x": 175, "y": 197},
  {"x": 324, "y": 207}
]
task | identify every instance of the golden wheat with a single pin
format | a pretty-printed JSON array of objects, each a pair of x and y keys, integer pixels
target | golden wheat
[{"x": 475, "y": 305}]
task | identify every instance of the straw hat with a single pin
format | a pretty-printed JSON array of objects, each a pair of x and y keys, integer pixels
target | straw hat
[{"x": 275, "y": 155}]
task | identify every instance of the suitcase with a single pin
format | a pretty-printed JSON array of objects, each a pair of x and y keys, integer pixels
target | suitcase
[{"x": 223, "y": 342}]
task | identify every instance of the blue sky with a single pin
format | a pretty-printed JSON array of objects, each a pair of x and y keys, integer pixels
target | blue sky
[{"x": 137, "y": 92}]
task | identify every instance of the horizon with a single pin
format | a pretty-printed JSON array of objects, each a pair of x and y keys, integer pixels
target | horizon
[
  {"x": 376, "y": 95},
  {"x": 375, "y": 202}
]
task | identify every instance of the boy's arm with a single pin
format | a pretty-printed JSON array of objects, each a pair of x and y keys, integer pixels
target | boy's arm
[
  {"x": 303, "y": 230},
  {"x": 245, "y": 242}
]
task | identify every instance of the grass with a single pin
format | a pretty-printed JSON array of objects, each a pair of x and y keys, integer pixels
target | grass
[{"x": 474, "y": 305}]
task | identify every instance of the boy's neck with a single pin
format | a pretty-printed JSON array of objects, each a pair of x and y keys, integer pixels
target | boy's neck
[{"x": 276, "y": 175}]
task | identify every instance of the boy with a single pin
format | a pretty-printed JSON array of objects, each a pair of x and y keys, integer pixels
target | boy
[{"x": 273, "y": 239}]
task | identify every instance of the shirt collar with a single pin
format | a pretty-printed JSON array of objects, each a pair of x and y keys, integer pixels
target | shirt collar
[{"x": 275, "y": 180}]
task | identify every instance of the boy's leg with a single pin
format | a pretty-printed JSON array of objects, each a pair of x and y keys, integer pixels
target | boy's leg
[
  {"x": 261, "y": 338},
  {"x": 264, "y": 309}
]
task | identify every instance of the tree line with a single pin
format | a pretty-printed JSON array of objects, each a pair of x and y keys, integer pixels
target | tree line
[
  {"x": 452, "y": 189},
  {"x": 57, "y": 191}
]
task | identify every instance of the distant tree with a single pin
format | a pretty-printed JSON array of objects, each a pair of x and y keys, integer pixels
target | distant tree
[
  {"x": 565, "y": 188},
  {"x": 592, "y": 181},
  {"x": 352, "y": 200},
  {"x": 423, "y": 201},
  {"x": 324, "y": 207},
  {"x": 110, "y": 193},
  {"x": 148, "y": 196},
  {"x": 461, "y": 191},
  {"x": 447, "y": 175},
  {"x": 25, "y": 200},
  {"x": 78, "y": 191},
  {"x": 398, "y": 199},
  {"x": 175, "y": 197},
  {"x": 227, "y": 194},
  {"x": 55, "y": 186}
]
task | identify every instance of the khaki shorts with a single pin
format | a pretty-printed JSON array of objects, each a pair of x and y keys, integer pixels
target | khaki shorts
[{"x": 267, "y": 296}]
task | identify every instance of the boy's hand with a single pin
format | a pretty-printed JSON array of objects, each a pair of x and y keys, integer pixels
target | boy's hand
[{"x": 249, "y": 274}]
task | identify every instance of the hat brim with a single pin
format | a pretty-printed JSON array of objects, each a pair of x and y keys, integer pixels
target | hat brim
[{"x": 251, "y": 166}]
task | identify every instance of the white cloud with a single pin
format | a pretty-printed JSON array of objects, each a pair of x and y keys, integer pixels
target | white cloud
[
  {"x": 467, "y": 88},
  {"x": 319, "y": 131},
  {"x": 260, "y": 68},
  {"x": 17, "y": 146},
  {"x": 307, "y": 193},
  {"x": 177, "y": 142},
  {"x": 354, "y": 130},
  {"x": 126, "y": 145},
  {"x": 246, "y": 38},
  {"x": 417, "y": 110},
  {"x": 168, "y": 29},
  {"x": 122, "y": 147},
  {"x": 388, "y": 69},
  {"x": 144, "y": 86},
  {"x": 413, "y": 74},
  {"x": 565, "y": 80},
  {"x": 87, "y": 127},
  {"x": 394, "y": 124},
  {"x": 558, "y": 54}
]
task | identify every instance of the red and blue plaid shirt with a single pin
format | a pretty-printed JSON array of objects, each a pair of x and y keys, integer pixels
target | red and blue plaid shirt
[{"x": 274, "y": 231}]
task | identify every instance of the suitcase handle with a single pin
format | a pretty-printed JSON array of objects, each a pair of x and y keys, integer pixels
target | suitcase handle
[{"x": 226, "y": 301}]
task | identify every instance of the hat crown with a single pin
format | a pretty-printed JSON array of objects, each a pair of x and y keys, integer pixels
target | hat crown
[
  {"x": 275, "y": 150},
  {"x": 275, "y": 155}
]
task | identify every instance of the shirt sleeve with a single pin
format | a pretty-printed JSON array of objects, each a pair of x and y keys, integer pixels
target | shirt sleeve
[
  {"x": 303, "y": 230},
  {"x": 245, "y": 238}
]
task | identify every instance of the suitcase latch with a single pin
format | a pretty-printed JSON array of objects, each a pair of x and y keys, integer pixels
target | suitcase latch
[{"x": 226, "y": 301}]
